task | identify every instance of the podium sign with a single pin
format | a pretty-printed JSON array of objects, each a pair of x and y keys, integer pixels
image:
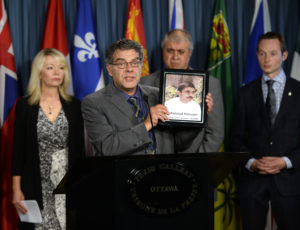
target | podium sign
[
  {"x": 163, "y": 189},
  {"x": 144, "y": 192}
]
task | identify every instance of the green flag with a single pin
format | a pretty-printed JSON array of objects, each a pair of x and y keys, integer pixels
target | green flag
[{"x": 219, "y": 66}]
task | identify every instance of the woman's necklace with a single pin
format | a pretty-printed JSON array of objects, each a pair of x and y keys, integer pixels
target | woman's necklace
[{"x": 50, "y": 110}]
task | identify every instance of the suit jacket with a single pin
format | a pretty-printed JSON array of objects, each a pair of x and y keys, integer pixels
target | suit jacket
[
  {"x": 252, "y": 133},
  {"x": 113, "y": 128},
  {"x": 25, "y": 162},
  {"x": 211, "y": 137}
]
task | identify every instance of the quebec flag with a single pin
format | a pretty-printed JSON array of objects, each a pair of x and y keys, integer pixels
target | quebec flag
[{"x": 87, "y": 73}]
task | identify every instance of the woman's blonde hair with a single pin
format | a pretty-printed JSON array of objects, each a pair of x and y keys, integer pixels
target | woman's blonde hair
[{"x": 34, "y": 86}]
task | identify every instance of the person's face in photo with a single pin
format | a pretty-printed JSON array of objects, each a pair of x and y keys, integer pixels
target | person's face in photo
[
  {"x": 125, "y": 70},
  {"x": 176, "y": 55},
  {"x": 270, "y": 57},
  {"x": 187, "y": 94}
]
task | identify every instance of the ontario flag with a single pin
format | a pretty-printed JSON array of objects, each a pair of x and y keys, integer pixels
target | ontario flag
[
  {"x": 135, "y": 30},
  {"x": 8, "y": 97},
  {"x": 55, "y": 35},
  {"x": 176, "y": 19}
]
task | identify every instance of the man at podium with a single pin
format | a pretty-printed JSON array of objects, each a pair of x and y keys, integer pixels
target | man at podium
[{"x": 123, "y": 117}]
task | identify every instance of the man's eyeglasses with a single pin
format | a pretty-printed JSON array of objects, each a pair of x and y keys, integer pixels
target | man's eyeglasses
[{"x": 124, "y": 64}]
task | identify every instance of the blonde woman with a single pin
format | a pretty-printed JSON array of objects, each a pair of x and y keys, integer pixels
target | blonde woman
[{"x": 48, "y": 138}]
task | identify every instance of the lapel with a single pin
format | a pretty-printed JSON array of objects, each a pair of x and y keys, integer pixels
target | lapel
[
  {"x": 115, "y": 97},
  {"x": 157, "y": 79},
  {"x": 149, "y": 98},
  {"x": 286, "y": 101},
  {"x": 66, "y": 107},
  {"x": 259, "y": 101}
]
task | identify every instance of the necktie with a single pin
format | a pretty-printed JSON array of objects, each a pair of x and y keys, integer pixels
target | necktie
[
  {"x": 136, "y": 108},
  {"x": 271, "y": 102},
  {"x": 140, "y": 116}
]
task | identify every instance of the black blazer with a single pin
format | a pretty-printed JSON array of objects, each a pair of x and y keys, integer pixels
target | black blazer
[
  {"x": 25, "y": 162},
  {"x": 252, "y": 133}
]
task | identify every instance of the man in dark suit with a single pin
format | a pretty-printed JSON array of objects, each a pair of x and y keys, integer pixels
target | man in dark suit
[
  {"x": 267, "y": 125},
  {"x": 177, "y": 48},
  {"x": 123, "y": 117}
]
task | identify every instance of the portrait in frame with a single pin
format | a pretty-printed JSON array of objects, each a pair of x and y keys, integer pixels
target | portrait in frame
[{"x": 183, "y": 93}]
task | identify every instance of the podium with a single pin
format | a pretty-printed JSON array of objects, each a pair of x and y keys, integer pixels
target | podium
[{"x": 167, "y": 191}]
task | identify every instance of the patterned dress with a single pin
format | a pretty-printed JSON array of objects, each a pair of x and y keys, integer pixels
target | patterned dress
[{"x": 53, "y": 153}]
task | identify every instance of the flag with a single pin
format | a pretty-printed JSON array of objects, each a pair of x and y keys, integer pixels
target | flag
[
  {"x": 260, "y": 24},
  {"x": 135, "y": 30},
  {"x": 295, "y": 71},
  {"x": 8, "y": 97},
  {"x": 86, "y": 66},
  {"x": 55, "y": 35},
  {"x": 271, "y": 223},
  {"x": 176, "y": 20},
  {"x": 227, "y": 214},
  {"x": 219, "y": 65}
]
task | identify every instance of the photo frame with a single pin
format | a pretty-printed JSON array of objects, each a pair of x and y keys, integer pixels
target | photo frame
[{"x": 183, "y": 93}]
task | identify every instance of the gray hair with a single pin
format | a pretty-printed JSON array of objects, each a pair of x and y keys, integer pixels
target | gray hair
[
  {"x": 123, "y": 44},
  {"x": 178, "y": 35}
]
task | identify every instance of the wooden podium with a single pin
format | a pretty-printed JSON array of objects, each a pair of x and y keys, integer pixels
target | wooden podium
[{"x": 145, "y": 192}]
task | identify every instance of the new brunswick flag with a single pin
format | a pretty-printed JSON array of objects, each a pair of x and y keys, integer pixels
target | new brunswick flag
[
  {"x": 55, "y": 34},
  {"x": 135, "y": 30},
  {"x": 226, "y": 209}
]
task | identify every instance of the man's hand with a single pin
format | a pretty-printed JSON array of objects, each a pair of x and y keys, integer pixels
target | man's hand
[
  {"x": 210, "y": 103},
  {"x": 158, "y": 112},
  {"x": 268, "y": 165}
]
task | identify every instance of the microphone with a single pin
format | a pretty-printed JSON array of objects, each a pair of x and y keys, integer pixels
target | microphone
[{"x": 145, "y": 98}]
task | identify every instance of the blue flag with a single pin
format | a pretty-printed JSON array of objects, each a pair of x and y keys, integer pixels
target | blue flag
[
  {"x": 87, "y": 73},
  {"x": 260, "y": 25}
]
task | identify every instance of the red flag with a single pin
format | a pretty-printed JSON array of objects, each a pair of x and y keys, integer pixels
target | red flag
[
  {"x": 8, "y": 97},
  {"x": 135, "y": 30},
  {"x": 55, "y": 35}
]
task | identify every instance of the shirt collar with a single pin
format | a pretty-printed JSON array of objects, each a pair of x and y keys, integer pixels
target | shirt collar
[
  {"x": 281, "y": 77},
  {"x": 137, "y": 93}
]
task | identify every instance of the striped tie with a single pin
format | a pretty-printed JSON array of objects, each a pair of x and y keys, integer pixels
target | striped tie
[
  {"x": 140, "y": 116},
  {"x": 136, "y": 108},
  {"x": 271, "y": 102}
]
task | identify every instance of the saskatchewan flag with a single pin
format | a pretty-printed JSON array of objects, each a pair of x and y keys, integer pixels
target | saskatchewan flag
[{"x": 219, "y": 65}]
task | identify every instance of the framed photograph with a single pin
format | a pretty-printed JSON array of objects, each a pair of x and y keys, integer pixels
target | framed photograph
[{"x": 183, "y": 93}]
